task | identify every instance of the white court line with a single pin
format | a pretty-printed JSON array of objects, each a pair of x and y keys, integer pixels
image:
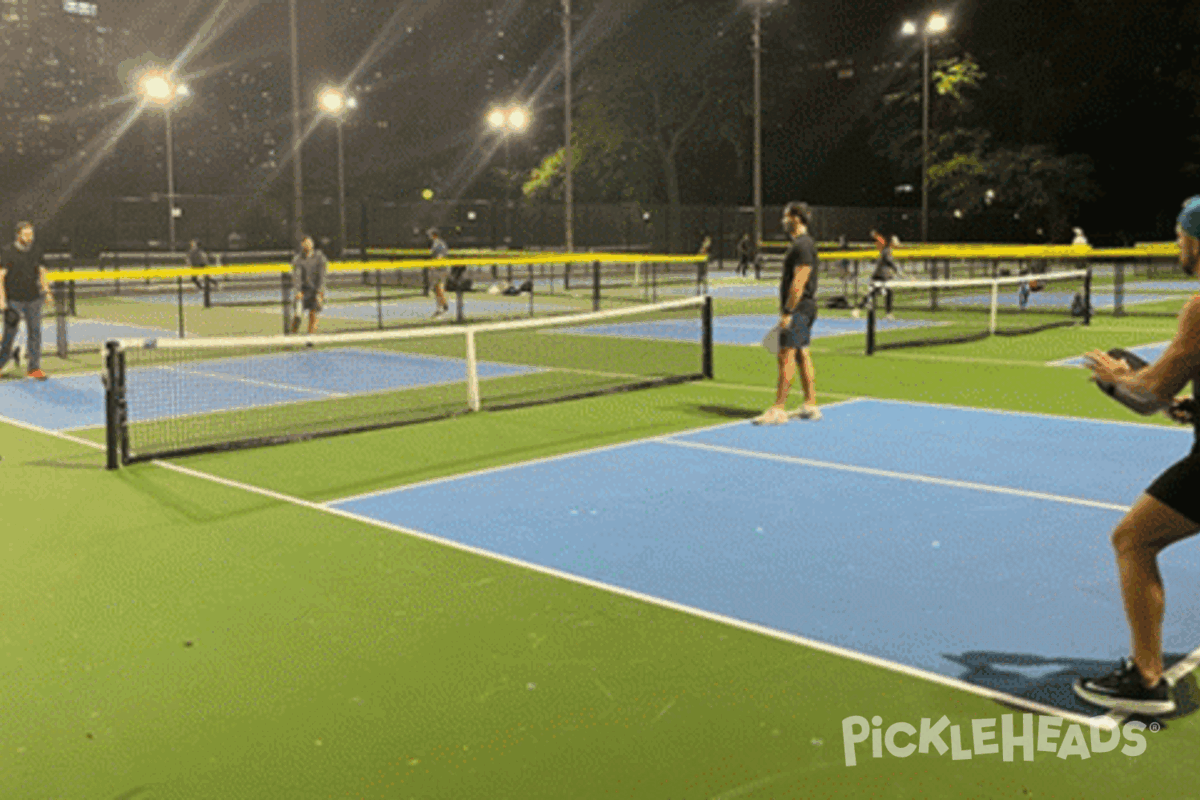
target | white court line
[
  {"x": 252, "y": 382},
  {"x": 538, "y": 461},
  {"x": 1039, "y": 415},
  {"x": 900, "y": 476}
]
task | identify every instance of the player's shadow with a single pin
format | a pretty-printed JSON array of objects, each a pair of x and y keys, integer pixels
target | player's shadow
[
  {"x": 729, "y": 413},
  {"x": 1049, "y": 681}
]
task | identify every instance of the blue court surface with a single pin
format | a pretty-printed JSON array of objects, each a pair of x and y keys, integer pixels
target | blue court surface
[
  {"x": 1009, "y": 299},
  {"x": 737, "y": 329},
  {"x": 91, "y": 332},
  {"x": 77, "y": 401},
  {"x": 473, "y": 305},
  {"x": 1149, "y": 352},
  {"x": 961, "y": 543}
]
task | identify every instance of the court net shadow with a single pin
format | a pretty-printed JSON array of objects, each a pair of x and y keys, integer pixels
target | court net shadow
[{"x": 1050, "y": 680}]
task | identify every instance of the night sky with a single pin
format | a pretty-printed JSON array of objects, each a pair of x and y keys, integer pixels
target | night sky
[{"x": 1105, "y": 78}]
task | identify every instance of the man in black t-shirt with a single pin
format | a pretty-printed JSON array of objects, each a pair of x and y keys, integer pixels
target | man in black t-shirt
[
  {"x": 23, "y": 284},
  {"x": 798, "y": 312}
]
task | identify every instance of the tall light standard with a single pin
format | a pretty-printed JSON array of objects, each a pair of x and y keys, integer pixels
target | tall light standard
[
  {"x": 161, "y": 88},
  {"x": 568, "y": 157},
  {"x": 756, "y": 41},
  {"x": 297, "y": 143},
  {"x": 336, "y": 103},
  {"x": 508, "y": 122},
  {"x": 937, "y": 23}
]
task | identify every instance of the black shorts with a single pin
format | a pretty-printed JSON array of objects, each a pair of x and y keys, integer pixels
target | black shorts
[
  {"x": 799, "y": 334},
  {"x": 1179, "y": 487},
  {"x": 311, "y": 300}
]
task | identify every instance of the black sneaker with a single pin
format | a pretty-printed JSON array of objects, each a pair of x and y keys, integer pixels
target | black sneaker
[{"x": 1123, "y": 690}]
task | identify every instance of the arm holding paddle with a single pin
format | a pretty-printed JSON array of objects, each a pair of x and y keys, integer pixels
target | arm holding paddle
[{"x": 1153, "y": 387}]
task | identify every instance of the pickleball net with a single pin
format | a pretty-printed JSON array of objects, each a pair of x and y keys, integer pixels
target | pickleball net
[
  {"x": 925, "y": 313},
  {"x": 173, "y": 397}
]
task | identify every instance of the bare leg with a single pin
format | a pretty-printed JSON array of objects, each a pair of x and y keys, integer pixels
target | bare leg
[
  {"x": 440, "y": 291},
  {"x": 787, "y": 374},
  {"x": 312, "y": 321},
  {"x": 1145, "y": 531},
  {"x": 808, "y": 378}
]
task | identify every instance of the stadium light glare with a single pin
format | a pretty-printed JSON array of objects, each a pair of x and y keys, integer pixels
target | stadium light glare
[
  {"x": 518, "y": 120},
  {"x": 157, "y": 87},
  {"x": 938, "y": 23},
  {"x": 331, "y": 100},
  {"x": 909, "y": 29},
  {"x": 496, "y": 119}
]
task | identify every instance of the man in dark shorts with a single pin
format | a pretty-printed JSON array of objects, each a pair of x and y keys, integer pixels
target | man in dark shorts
[
  {"x": 1167, "y": 513},
  {"x": 308, "y": 279},
  {"x": 23, "y": 284},
  {"x": 197, "y": 258},
  {"x": 798, "y": 312}
]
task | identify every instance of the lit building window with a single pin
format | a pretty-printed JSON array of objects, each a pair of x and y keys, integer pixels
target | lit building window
[{"x": 79, "y": 8}]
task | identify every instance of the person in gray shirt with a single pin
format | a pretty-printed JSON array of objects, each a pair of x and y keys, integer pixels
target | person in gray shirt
[{"x": 308, "y": 280}]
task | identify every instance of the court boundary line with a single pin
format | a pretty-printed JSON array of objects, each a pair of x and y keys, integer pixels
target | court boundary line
[
  {"x": 539, "y": 461},
  {"x": 901, "y": 476},
  {"x": 1038, "y": 414},
  {"x": 1102, "y": 721}
]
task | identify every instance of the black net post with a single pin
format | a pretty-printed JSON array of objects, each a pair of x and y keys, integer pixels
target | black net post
[
  {"x": 566, "y": 277},
  {"x": 115, "y": 408},
  {"x": 207, "y": 287},
  {"x": 458, "y": 299},
  {"x": 1119, "y": 289},
  {"x": 1087, "y": 297},
  {"x": 595, "y": 286},
  {"x": 425, "y": 281},
  {"x": 379, "y": 298},
  {"x": 60, "y": 320},
  {"x": 653, "y": 281},
  {"x": 531, "y": 289},
  {"x": 285, "y": 283},
  {"x": 701, "y": 270},
  {"x": 931, "y": 267},
  {"x": 706, "y": 339},
  {"x": 71, "y": 291},
  {"x": 179, "y": 303},
  {"x": 871, "y": 325}
]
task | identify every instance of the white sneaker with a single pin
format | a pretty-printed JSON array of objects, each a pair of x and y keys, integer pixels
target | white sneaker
[
  {"x": 808, "y": 412},
  {"x": 440, "y": 312},
  {"x": 891, "y": 317},
  {"x": 854, "y": 313},
  {"x": 772, "y": 416}
]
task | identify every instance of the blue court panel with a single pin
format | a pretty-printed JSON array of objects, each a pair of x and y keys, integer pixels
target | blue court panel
[
  {"x": 737, "y": 329},
  {"x": 1163, "y": 286},
  {"x": 77, "y": 401},
  {"x": 1149, "y": 352},
  {"x": 88, "y": 331},
  {"x": 1050, "y": 300},
  {"x": 423, "y": 308},
  {"x": 1014, "y": 593}
]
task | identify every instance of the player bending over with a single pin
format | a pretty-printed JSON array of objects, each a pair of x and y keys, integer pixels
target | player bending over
[{"x": 1168, "y": 511}]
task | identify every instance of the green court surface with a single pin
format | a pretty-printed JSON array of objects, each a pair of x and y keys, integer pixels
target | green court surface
[{"x": 206, "y": 629}]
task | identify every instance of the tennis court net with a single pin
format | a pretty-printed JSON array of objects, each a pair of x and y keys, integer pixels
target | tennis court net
[
  {"x": 923, "y": 313},
  {"x": 173, "y": 397}
]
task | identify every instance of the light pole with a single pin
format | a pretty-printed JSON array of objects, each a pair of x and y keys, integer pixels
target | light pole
[
  {"x": 297, "y": 143},
  {"x": 161, "y": 88},
  {"x": 756, "y": 40},
  {"x": 569, "y": 182},
  {"x": 336, "y": 103},
  {"x": 508, "y": 122},
  {"x": 936, "y": 24}
]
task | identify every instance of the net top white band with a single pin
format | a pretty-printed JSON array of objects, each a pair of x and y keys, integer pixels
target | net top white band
[{"x": 280, "y": 341}]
